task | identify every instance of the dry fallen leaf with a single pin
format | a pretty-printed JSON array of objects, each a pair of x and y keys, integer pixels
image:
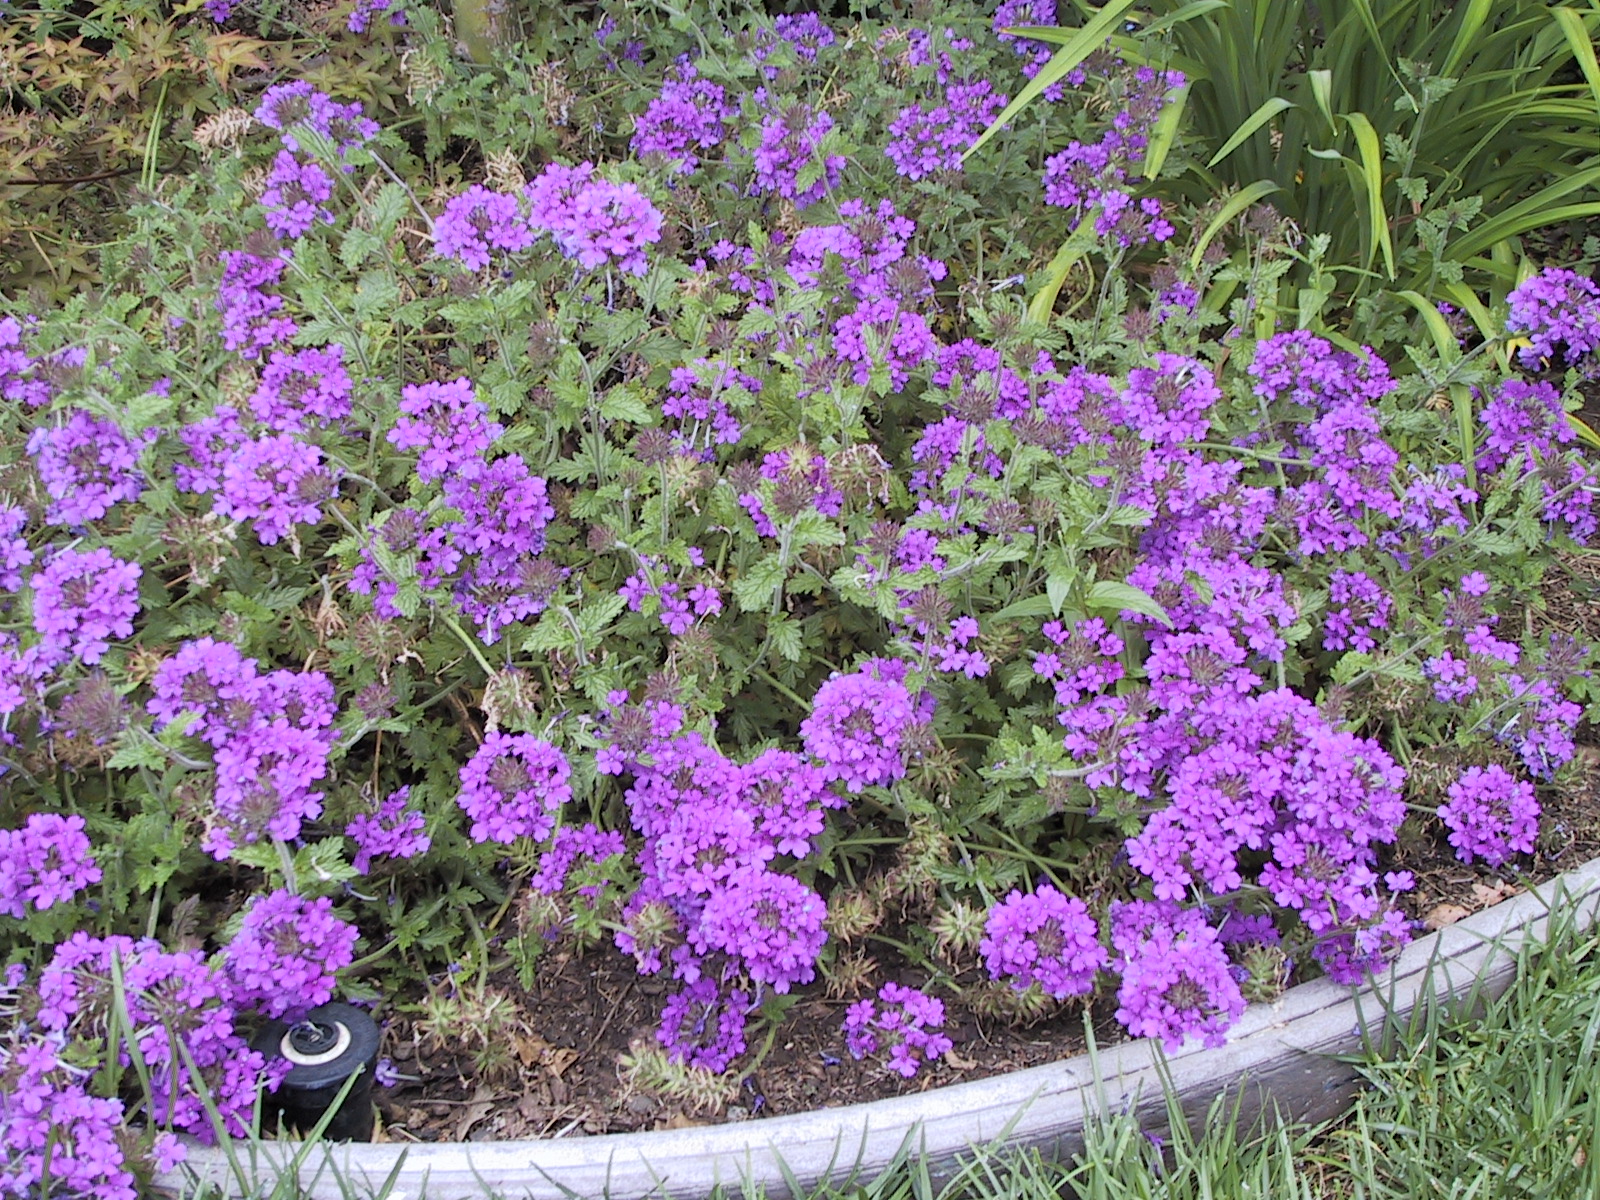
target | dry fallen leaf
[
  {"x": 1441, "y": 915},
  {"x": 956, "y": 1061},
  {"x": 1486, "y": 893},
  {"x": 481, "y": 1105}
]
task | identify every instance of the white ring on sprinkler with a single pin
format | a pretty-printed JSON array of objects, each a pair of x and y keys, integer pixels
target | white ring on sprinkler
[{"x": 300, "y": 1058}]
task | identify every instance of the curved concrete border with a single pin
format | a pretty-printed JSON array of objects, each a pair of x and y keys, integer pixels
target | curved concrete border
[{"x": 1281, "y": 1051}]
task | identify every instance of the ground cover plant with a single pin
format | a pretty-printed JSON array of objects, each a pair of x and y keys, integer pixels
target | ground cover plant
[{"x": 657, "y": 516}]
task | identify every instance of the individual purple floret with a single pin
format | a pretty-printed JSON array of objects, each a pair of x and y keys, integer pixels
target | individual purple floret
[
  {"x": 687, "y": 118},
  {"x": 1556, "y": 309},
  {"x": 513, "y": 786},
  {"x": 856, "y": 727},
  {"x": 906, "y": 1027},
  {"x": 276, "y": 482},
  {"x": 287, "y": 952},
  {"x": 296, "y": 196},
  {"x": 44, "y": 863},
  {"x": 701, "y": 1027},
  {"x": 83, "y": 600},
  {"x": 1047, "y": 939},
  {"x": 394, "y": 831},
  {"x": 477, "y": 224},
  {"x": 447, "y": 422},
  {"x": 87, "y": 466},
  {"x": 1490, "y": 815}
]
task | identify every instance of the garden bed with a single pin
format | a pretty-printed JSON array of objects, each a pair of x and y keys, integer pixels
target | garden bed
[{"x": 1283, "y": 1054}]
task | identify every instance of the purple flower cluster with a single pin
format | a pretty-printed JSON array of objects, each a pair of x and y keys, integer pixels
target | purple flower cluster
[
  {"x": 926, "y": 139},
  {"x": 82, "y": 601},
  {"x": 286, "y": 953},
  {"x": 1555, "y": 309},
  {"x": 689, "y": 117},
  {"x": 859, "y": 724},
  {"x": 477, "y": 224},
  {"x": 87, "y": 466},
  {"x": 393, "y": 831},
  {"x": 275, "y": 481},
  {"x": 44, "y": 863},
  {"x": 303, "y": 388},
  {"x": 803, "y": 35},
  {"x": 903, "y": 1022},
  {"x": 712, "y": 830},
  {"x": 789, "y": 160},
  {"x": 1358, "y": 612},
  {"x": 703, "y": 1027},
  {"x": 361, "y": 15},
  {"x": 1018, "y": 14},
  {"x": 593, "y": 220},
  {"x": 171, "y": 997},
  {"x": 296, "y": 196},
  {"x": 447, "y": 422},
  {"x": 1093, "y": 178},
  {"x": 676, "y": 607},
  {"x": 1524, "y": 423},
  {"x": 698, "y": 397},
  {"x": 1044, "y": 939},
  {"x": 1176, "y": 977},
  {"x": 271, "y": 737},
  {"x": 252, "y": 317},
  {"x": 1490, "y": 815},
  {"x": 288, "y": 108},
  {"x": 513, "y": 786}
]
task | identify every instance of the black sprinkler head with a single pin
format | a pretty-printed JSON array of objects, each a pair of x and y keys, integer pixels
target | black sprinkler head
[{"x": 330, "y": 1045}]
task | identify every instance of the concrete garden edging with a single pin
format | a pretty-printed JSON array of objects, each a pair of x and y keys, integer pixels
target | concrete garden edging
[{"x": 1281, "y": 1051}]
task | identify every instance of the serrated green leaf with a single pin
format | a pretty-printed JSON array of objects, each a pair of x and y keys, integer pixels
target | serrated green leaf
[
  {"x": 136, "y": 749},
  {"x": 755, "y": 588},
  {"x": 625, "y": 402},
  {"x": 377, "y": 293},
  {"x": 786, "y": 637},
  {"x": 358, "y": 246}
]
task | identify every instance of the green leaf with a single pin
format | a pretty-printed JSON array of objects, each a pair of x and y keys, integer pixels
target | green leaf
[
  {"x": 1444, "y": 341},
  {"x": 376, "y": 296},
  {"x": 1253, "y": 122},
  {"x": 625, "y": 402},
  {"x": 1109, "y": 594},
  {"x": 1582, "y": 46},
  {"x": 1165, "y": 131},
  {"x": 1236, "y": 204},
  {"x": 1057, "y": 587},
  {"x": 1371, "y": 180},
  {"x": 755, "y": 588},
  {"x": 785, "y": 636},
  {"x": 1028, "y": 606}
]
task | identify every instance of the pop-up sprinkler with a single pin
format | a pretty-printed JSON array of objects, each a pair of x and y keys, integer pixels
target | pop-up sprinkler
[{"x": 331, "y": 1044}]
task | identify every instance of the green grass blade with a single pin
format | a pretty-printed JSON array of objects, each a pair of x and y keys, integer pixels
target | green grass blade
[
  {"x": 1189, "y": 12},
  {"x": 1438, "y": 328},
  {"x": 1371, "y": 176},
  {"x": 1472, "y": 20},
  {"x": 1582, "y": 46},
  {"x": 1165, "y": 131},
  {"x": 1253, "y": 122},
  {"x": 1076, "y": 45},
  {"x": 1236, "y": 204}
]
